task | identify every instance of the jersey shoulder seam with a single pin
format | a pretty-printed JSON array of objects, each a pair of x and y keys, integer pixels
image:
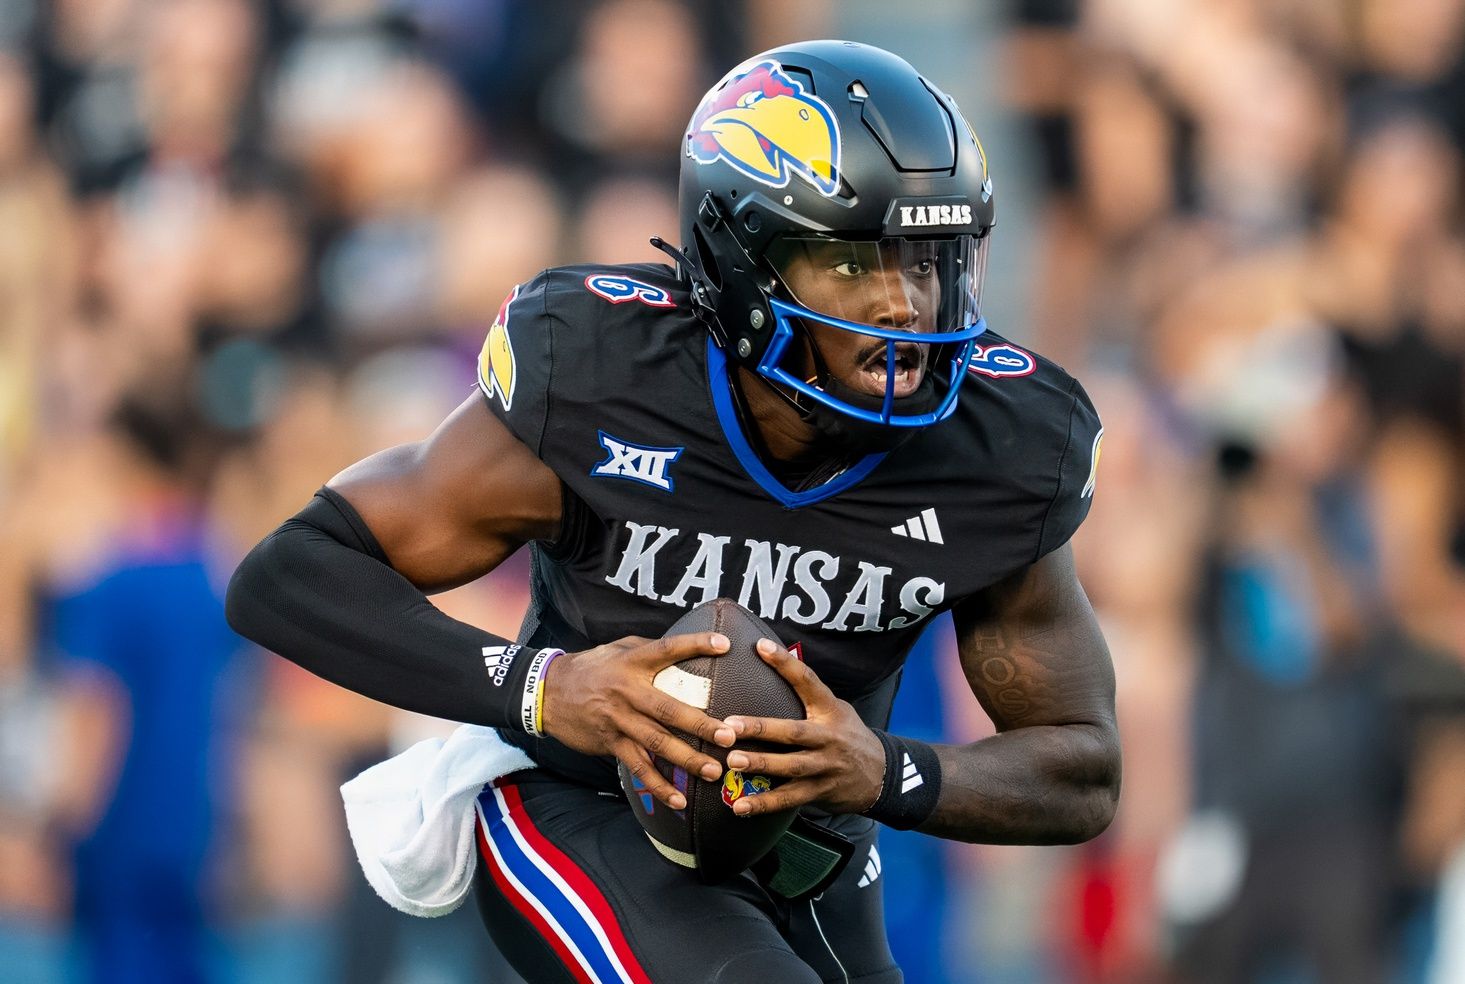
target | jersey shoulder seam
[
  {"x": 551, "y": 353},
  {"x": 1062, "y": 458},
  {"x": 571, "y": 518}
]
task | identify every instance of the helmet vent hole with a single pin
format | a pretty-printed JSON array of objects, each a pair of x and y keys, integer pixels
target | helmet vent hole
[
  {"x": 733, "y": 193},
  {"x": 858, "y": 90},
  {"x": 753, "y": 221}
]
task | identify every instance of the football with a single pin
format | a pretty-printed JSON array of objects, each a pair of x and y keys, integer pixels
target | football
[{"x": 707, "y": 837}]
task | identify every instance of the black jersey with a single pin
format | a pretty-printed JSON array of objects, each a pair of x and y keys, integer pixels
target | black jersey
[{"x": 606, "y": 374}]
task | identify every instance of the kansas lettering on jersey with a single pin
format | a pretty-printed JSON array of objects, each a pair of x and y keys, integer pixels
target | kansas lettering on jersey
[
  {"x": 774, "y": 580},
  {"x": 667, "y": 507}
]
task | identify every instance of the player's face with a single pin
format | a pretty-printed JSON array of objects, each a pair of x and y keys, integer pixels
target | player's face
[{"x": 891, "y": 284}]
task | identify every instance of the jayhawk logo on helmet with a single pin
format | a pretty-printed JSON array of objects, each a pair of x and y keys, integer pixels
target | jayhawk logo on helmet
[{"x": 765, "y": 125}]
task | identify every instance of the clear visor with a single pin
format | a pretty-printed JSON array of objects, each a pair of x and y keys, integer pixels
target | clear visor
[{"x": 931, "y": 286}]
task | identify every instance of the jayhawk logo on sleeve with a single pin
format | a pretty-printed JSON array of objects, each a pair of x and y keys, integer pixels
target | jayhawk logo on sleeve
[
  {"x": 1098, "y": 448},
  {"x": 496, "y": 370},
  {"x": 765, "y": 125}
]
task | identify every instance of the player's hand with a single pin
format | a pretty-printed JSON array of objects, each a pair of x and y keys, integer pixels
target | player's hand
[
  {"x": 836, "y": 762},
  {"x": 602, "y": 702}
]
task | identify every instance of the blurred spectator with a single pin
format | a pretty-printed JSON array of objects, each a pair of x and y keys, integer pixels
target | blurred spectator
[
  {"x": 619, "y": 217},
  {"x": 1390, "y": 268},
  {"x": 394, "y": 170},
  {"x": 256, "y": 281},
  {"x": 497, "y": 224},
  {"x": 157, "y": 698},
  {"x": 36, "y": 262},
  {"x": 1295, "y": 745}
]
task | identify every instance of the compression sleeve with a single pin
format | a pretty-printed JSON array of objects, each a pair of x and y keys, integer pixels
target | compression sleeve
[{"x": 319, "y": 592}]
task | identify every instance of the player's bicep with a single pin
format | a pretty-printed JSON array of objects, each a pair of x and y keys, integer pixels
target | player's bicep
[
  {"x": 1032, "y": 650},
  {"x": 452, "y": 507}
]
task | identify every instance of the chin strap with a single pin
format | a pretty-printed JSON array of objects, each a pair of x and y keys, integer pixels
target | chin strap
[
  {"x": 704, "y": 295},
  {"x": 704, "y": 303},
  {"x": 818, "y": 380}
]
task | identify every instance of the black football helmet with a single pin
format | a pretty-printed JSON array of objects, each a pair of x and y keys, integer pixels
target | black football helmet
[{"x": 827, "y": 183}]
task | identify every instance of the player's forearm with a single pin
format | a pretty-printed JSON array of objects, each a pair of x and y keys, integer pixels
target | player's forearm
[
  {"x": 1038, "y": 785},
  {"x": 312, "y": 592}
]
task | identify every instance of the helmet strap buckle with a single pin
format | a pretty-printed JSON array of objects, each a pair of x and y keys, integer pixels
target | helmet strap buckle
[{"x": 704, "y": 295}]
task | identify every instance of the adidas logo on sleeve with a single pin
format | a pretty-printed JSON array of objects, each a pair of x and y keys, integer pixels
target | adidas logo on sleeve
[{"x": 497, "y": 660}]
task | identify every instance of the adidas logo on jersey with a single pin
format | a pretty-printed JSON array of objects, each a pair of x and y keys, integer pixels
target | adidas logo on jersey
[
  {"x": 496, "y": 660},
  {"x": 922, "y": 527},
  {"x": 910, "y": 776},
  {"x": 872, "y": 868}
]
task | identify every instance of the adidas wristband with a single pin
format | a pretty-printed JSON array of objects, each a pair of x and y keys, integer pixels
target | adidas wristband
[{"x": 912, "y": 782}]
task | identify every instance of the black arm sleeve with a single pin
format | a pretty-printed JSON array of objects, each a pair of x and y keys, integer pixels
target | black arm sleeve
[{"x": 319, "y": 592}]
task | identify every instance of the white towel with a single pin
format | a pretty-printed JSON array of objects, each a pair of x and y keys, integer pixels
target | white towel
[
  {"x": 412, "y": 817},
  {"x": 1447, "y": 964}
]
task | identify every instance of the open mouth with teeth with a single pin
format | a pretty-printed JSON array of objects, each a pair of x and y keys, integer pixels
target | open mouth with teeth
[{"x": 910, "y": 368}]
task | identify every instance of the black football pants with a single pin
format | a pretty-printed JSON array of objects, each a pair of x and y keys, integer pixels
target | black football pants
[{"x": 573, "y": 892}]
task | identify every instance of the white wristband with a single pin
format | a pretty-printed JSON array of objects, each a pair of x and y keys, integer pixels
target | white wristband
[{"x": 529, "y": 707}]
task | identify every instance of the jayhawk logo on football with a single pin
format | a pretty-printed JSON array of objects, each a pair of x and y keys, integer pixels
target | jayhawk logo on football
[
  {"x": 765, "y": 125},
  {"x": 735, "y": 786},
  {"x": 496, "y": 369}
]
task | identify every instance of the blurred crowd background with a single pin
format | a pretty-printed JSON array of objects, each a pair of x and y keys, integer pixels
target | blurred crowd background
[{"x": 244, "y": 244}]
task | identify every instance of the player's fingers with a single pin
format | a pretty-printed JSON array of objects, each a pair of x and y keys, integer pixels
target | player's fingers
[
  {"x": 804, "y": 680},
  {"x": 787, "y": 765},
  {"x": 663, "y": 744},
  {"x": 673, "y": 713},
  {"x": 784, "y": 797},
  {"x": 783, "y": 731},
  {"x": 673, "y": 649},
  {"x": 646, "y": 776}
]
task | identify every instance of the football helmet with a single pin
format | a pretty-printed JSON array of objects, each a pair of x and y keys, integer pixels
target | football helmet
[{"x": 827, "y": 186}]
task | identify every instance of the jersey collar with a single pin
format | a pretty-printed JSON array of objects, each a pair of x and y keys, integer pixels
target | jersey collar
[{"x": 732, "y": 430}]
